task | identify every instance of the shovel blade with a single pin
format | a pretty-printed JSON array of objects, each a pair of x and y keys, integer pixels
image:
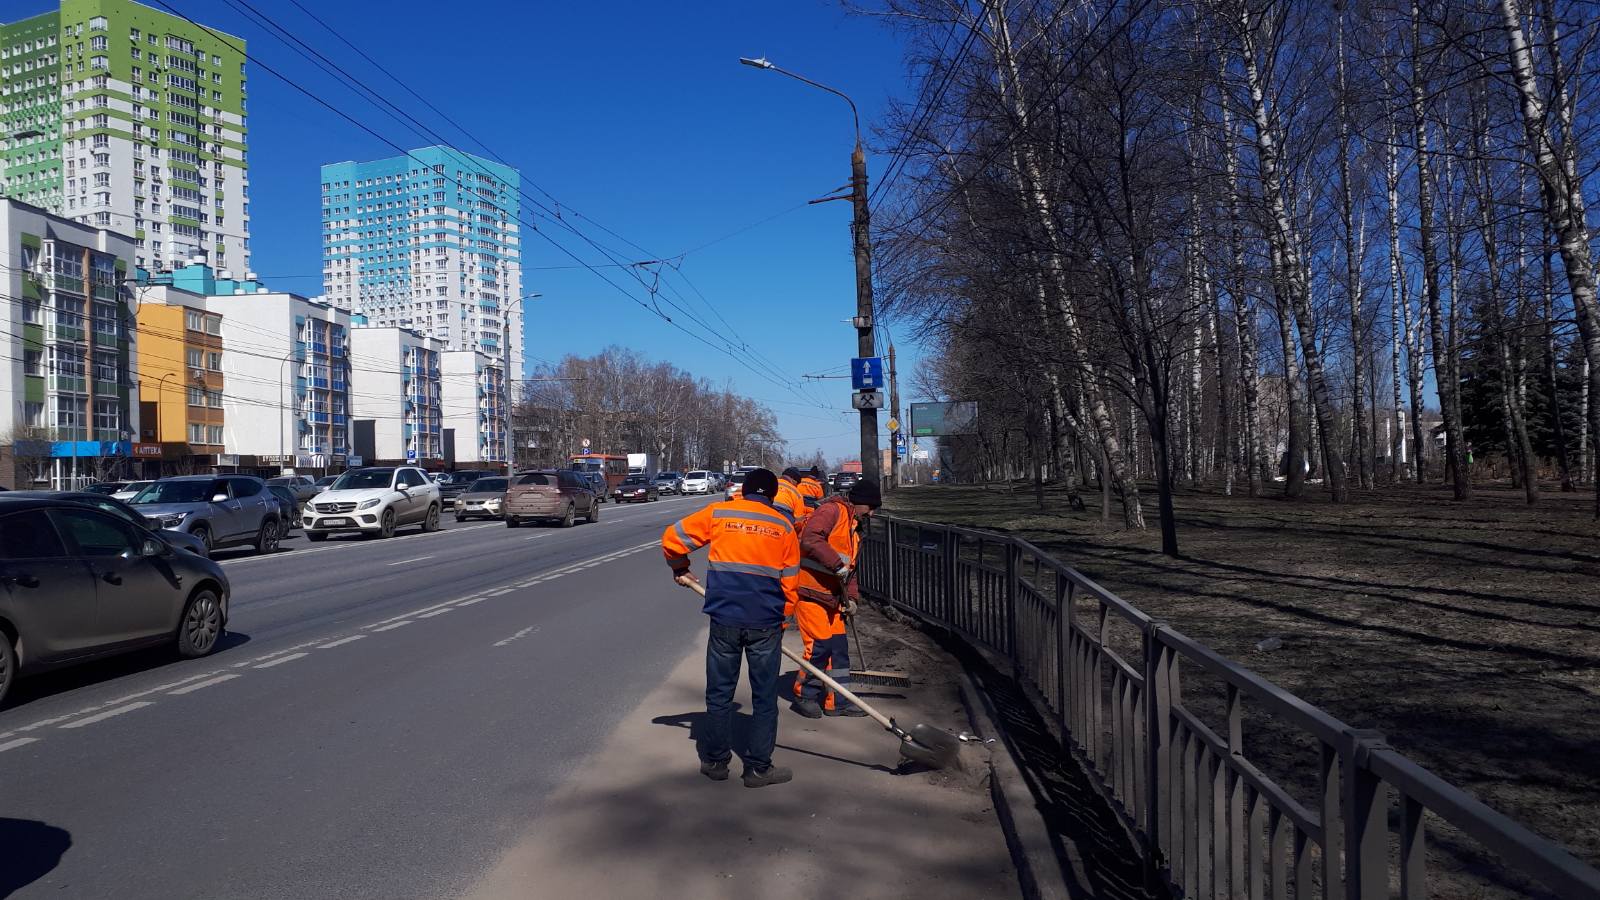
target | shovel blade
[{"x": 932, "y": 747}]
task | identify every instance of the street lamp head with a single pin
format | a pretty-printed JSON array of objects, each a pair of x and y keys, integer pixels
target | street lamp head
[{"x": 759, "y": 63}]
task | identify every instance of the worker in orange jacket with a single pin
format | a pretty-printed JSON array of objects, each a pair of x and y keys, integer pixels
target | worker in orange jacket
[
  {"x": 830, "y": 546},
  {"x": 752, "y": 575},
  {"x": 790, "y": 501},
  {"x": 811, "y": 488}
]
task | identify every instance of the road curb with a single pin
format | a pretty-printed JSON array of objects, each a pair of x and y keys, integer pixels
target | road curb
[{"x": 1034, "y": 851}]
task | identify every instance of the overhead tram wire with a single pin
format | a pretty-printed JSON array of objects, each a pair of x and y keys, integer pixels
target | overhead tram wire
[
  {"x": 566, "y": 251},
  {"x": 554, "y": 215}
]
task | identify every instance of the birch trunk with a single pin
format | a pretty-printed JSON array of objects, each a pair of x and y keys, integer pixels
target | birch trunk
[
  {"x": 1352, "y": 270},
  {"x": 1244, "y": 317}
]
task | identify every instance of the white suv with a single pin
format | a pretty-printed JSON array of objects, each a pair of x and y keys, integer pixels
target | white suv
[
  {"x": 374, "y": 501},
  {"x": 698, "y": 482}
]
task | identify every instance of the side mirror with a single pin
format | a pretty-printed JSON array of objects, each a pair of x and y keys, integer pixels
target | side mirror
[
  {"x": 219, "y": 498},
  {"x": 152, "y": 547}
]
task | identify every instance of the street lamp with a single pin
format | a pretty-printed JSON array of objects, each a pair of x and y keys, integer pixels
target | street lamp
[{"x": 860, "y": 228}]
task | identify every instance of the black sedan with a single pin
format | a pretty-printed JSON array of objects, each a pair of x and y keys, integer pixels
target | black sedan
[
  {"x": 177, "y": 540},
  {"x": 78, "y": 583},
  {"x": 636, "y": 489}
]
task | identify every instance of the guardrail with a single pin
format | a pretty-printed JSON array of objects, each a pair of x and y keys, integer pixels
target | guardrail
[{"x": 1212, "y": 821}]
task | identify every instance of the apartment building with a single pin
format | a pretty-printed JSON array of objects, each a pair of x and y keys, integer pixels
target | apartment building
[
  {"x": 474, "y": 404},
  {"x": 181, "y": 383},
  {"x": 396, "y": 396}
]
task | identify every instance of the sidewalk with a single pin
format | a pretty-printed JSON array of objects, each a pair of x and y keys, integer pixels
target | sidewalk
[{"x": 639, "y": 821}]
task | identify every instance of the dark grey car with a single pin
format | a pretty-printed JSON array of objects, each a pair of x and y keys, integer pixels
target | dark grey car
[
  {"x": 178, "y": 540},
  {"x": 220, "y": 510},
  {"x": 78, "y": 583},
  {"x": 302, "y": 486}
]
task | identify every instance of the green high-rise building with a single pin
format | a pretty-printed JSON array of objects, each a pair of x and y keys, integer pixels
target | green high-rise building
[{"x": 124, "y": 117}]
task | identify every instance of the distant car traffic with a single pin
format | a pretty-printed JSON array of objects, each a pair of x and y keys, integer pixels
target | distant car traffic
[
  {"x": 325, "y": 482},
  {"x": 374, "y": 501},
  {"x": 844, "y": 481},
  {"x": 77, "y": 583},
  {"x": 549, "y": 494},
  {"x": 636, "y": 489},
  {"x": 301, "y": 486},
  {"x": 178, "y": 540},
  {"x": 220, "y": 510},
  {"x": 697, "y": 482},
  {"x": 734, "y": 487},
  {"x": 668, "y": 482},
  {"x": 596, "y": 480},
  {"x": 131, "y": 490},
  {"x": 452, "y": 484},
  {"x": 105, "y": 487},
  {"x": 485, "y": 498}
]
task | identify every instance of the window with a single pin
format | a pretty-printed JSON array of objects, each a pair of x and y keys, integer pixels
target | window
[
  {"x": 98, "y": 23},
  {"x": 29, "y": 535},
  {"x": 214, "y": 361},
  {"x": 214, "y": 434},
  {"x": 214, "y": 400},
  {"x": 197, "y": 396},
  {"x": 193, "y": 356},
  {"x": 197, "y": 433},
  {"x": 33, "y": 414},
  {"x": 93, "y": 533},
  {"x": 33, "y": 362},
  {"x": 193, "y": 320},
  {"x": 107, "y": 417},
  {"x": 242, "y": 487},
  {"x": 213, "y": 324}
]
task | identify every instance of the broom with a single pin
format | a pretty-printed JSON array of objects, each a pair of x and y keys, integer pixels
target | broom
[{"x": 870, "y": 676}]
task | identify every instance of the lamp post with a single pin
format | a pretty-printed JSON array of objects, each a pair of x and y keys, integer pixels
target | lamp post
[{"x": 860, "y": 227}]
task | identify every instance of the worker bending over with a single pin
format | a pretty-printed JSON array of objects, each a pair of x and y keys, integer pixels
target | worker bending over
[
  {"x": 830, "y": 544},
  {"x": 752, "y": 574}
]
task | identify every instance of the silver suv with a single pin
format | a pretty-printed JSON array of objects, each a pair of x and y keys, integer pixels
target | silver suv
[
  {"x": 374, "y": 501},
  {"x": 219, "y": 510}
]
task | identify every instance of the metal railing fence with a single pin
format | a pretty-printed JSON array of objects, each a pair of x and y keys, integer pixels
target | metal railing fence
[{"x": 1214, "y": 824}]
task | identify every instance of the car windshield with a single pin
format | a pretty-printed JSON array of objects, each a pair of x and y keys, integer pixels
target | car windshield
[
  {"x": 736, "y": 478},
  {"x": 636, "y": 479},
  {"x": 667, "y": 476},
  {"x": 175, "y": 492},
  {"x": 488, "y": 485},
  {"x": 697, "y": 475},
  {"x": 357, "y": 479}
]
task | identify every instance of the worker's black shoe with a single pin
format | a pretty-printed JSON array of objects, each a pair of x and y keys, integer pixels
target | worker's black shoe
[
  {"x": 716, "y": 771},
  {"x": 808, "y": 708},
  {"x": 769, "y": 775},
  {"x": 850, "y": 709}
]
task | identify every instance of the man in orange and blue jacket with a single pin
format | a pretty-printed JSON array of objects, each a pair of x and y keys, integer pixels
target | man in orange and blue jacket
[
  {"x": 790, "y": 501},
  {"x": 752, "y": 574},
  {"x": 830, "y": 549}
]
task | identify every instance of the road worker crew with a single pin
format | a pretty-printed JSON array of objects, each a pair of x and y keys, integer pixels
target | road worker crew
[
  {"x": 830, "y": 545},
  {"x": 790, "y": 501},
  {"x": 811, "y": 487},
  {"x": 752, "y": 575}
]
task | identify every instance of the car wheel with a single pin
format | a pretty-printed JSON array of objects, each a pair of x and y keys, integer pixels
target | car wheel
[
  {"x": 201, "y": 624},
  {"x": 431, "y": 523},
  {"x": 386, "y": 524},
  {"x": 8, "y": 665},
  {"x": 569, "y": 518},
  {"x": 316, "y": 537},
  {"x": 203, "y": 533},
  {"x": 460, "y": 518},
  {"x": 511, "y": 522},
  {"x": 594, "y": 514},
  {"x": 267, "y": 537}
]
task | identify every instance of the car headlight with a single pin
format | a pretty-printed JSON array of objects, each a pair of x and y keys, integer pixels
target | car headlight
[
  {"x": 368, "y": 504},
  {"x": 493, "y": 501},
  {"x": 168, "y": 520}
]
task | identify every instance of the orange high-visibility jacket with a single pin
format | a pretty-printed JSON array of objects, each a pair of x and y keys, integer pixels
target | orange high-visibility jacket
[
  {"x": 754, "y": 560},
  {"x": 828, "y": 541},
  {"x": 791, "y": 502},
  {"x": 812, "y": 490}
]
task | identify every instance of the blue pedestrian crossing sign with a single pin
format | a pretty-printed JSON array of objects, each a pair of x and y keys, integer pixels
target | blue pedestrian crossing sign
[{"x": 866, "y": 373}]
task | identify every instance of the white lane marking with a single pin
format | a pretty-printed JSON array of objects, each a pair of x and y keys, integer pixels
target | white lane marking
[
  {"x": 101, "y": 717},
  {"x": 340, "y": 642},
  {"x": 499, "y": 592},
  {"x": 281, "y": 660},
  {"x": 471, "y": 601},
  {"x": 393, "y": 625},
  {"x": 374, "y": 625},
  {"x": 266, "y": 656},
  {"x": 401, "y": 562},
  {"x": 437, "y": 612},
  {"x": 535, "y": 537},
  {"x": 19, "y": 742},
  {"x": 347, "y": 545},
  {"x": 523, "y": 633},
  {"x": 191, "y": 688}
]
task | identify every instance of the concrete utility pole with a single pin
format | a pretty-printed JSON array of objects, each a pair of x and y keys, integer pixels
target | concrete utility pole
[
  {"x": 893, "y": 479},
  {"x": 860, "y": 230}
]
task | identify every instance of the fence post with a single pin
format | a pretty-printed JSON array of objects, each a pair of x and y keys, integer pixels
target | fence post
[
  {"x": 952, "y": 550},
  {"x": 1366, "y": 820},
  {"x": 889, "y": 581},
  {"x": 1158, "y": 752},
  {"x": 1013, "y": 555}
]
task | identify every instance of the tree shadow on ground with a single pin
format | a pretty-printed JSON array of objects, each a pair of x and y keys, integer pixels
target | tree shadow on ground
[{"x": 29, "y": 850}]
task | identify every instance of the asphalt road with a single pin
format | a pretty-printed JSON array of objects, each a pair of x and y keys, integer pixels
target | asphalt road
[{"x": 382, "y": 721}]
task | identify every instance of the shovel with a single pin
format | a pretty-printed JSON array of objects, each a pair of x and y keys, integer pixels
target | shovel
[{"x": 930, "y": 746}]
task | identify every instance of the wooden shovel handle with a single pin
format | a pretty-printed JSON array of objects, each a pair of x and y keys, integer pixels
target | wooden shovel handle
[{"x": 822, "y": 676}]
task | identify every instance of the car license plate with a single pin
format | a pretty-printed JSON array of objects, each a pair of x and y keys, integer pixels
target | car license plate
[{"x": 334, "y": 521}]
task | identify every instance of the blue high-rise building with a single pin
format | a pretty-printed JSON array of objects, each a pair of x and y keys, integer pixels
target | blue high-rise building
[{"x": 428, "y": 241}]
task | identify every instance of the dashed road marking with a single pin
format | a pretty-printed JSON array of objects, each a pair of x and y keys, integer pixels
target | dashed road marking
[
  {"x": 115, "y": 711},
  {"x": 198, "y": 685},
  {"x": 393, "y": 625},
  {"x": 497, "y": 593},
  {"x": 471, "y": 601},
  {"x": 19, "y": 742},
  {"x": 523, "y": 633},
  {"x": 402, "y": 562},
  {"x": 341, "y": 642},
  {"x": 281, "y": 660},
  {"x": 437, "y": 612}
]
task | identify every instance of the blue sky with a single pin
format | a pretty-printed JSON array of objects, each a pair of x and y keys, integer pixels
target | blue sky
[{"x": 638, "y": 116}]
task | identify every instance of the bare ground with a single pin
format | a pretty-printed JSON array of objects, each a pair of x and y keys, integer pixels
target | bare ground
[{"x": 1466, "y": 632}]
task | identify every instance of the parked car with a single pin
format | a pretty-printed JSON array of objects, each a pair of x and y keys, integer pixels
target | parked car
[
  {"x": 668, "y": 482},
  {"x": 288, "y": 507},
  {"x": 325, "y": 482},
  {"x": 374, "y": 501},
  {"x": 597, "y": 482},
  {"x": 484, "y": 498},
  {"x": 697, "y": 482},
  {"x": 844, "y": 481},
  {"x": 131, "y": 490},
  {"x": 636, "y": 489},
  {"x": 734, "y": 486},
  {"x": 550, "y": 494},
  {"x": 718, "y": 482},
  {"x": 453, "y": 484},
  {"x": 78, "y": 583},
  {"x": 303, "y": 487},
  {"x": 177, "y": 540},
  {"x": 220, "y": 510},
  {"x": 105, "y": 487}
]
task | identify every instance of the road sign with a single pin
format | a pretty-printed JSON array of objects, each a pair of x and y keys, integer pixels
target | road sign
[
  {"x": 919, "y": 455},
  {"x": 899, "y": 447},
  {"x": 894, "y": 424},
  {"x": 585, "y": 443},
  {"x": 867, "y": 400},
  {"x": 866, "y": 373}
]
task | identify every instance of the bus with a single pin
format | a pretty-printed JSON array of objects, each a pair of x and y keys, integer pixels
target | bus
[{"x": 612, "y": 466}]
